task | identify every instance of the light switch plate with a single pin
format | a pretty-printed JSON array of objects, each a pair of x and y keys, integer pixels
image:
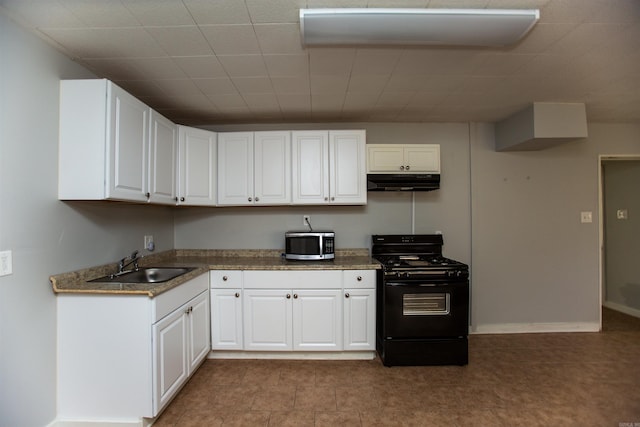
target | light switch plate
[
  {"x": 586, "y": 217},
  {"x": 6, "y": 267}
]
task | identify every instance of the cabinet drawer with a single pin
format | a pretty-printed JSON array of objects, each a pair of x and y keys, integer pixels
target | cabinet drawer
[
  {"x": 293, "y": 279},
  {"x": 359, "y": 279},
  {"x": 225, "y": 279}
]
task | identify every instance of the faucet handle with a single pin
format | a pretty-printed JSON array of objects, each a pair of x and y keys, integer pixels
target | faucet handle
[{"x": 134, "y": 254}]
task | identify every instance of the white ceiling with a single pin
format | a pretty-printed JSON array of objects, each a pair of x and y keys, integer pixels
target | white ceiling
[{"x": 241, "y": 61}]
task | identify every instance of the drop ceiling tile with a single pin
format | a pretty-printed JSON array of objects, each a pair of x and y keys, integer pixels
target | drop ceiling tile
[
  {"x": 227, "y": 101},
  {"x": 502, "y": 64},
  {"x": 376, "y": 61},
  {"x": 200, "y": 66},
  {"x": 175, "y": 88},
  {"x": 401, "y": 4},
  {"x": 360, "y": 101},
  {"x": 323, "y": 84},
  {"x": 367, "y": 83},
  {"x": 275, "y": 10},
  {"x": 106, "y": 42},
  {"x": 49, "y": 14},
  {"x": 198, "y": 102},
  {"x": 159, "y": 12},
  {"x": 394, "y": 99},
  {"x": 158, "y": 68},
  {"x": 253, "y": 85},
  {"x": 542, "y": 36},
  {"x": 294, "y": 102},
  {"x": 101, "y": 13},
  {"x": 262, "y": 101},
  {"x": 586, "y": 37},
  {"x": 214, "y": 87},
  {"x": 141, "y": 88},
  {"x": 287, "y": 65},
  {"x": 279, "y": 38},
  {"x": 180, "y": 41},
  {"x": 327, "y": 102},
  {"x": 218, "y": 11},
  {"x": 570, "y": 11},
  {"x": 291, "y": 85},
  {"x": 331, "y": 61},
  {"x": 114, "y": 69},
  {"x": 312, "y": 4},
  {"x": 426, "y": 99},
  {"x": 243, "y": 65},
  {"x": 231, "y": 39}
]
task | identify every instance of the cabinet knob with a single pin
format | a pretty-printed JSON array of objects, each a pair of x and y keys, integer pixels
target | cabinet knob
[
  {"x": 288, "y": 296},
  {"x": 326, "y": 199},
  {"x": 182, "y": 199},
  {"x": 176, "y": 199},
  {"x": 333, "y": 198},
  {"x": 408, "y": 167},
  {"x": 401, "y": 168},
  {"x": 346, "y": 295},
  {"x": 250, "y": 199},
  {"x": 148, "y": 195},
  {"x": 237, "y": 294},
  {"x": 295, "y": 296},
  {"x": 225, "y": 278},
  {"x": 257, "y": 199},
  {"x": 359, "y": 278}
]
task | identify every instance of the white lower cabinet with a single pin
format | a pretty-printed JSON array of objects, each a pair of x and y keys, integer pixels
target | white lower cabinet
[
  {"x": 293, "y": 310},
  {"x": 123, "y": 357}
]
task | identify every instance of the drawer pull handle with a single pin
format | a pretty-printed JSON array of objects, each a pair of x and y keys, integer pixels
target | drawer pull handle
[
  {"x": 359, "y": 278},
  {"x": 346, "y": 295},
  {"x": 237, "y": 294},
  {"x": 225, "y": 278},
  {"x": 295, "y": 296},
  {"x": 288, "y": 296}
]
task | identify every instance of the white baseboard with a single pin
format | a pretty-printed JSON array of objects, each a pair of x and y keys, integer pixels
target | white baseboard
[
  {"x": 529, "y": 328},
  {"x": 622, "y": 308},
  {"x": 293, "y": 355},
  {"x": 101, "y": 423}
]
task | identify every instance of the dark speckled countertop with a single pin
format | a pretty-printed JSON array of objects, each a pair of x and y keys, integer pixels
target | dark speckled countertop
[{"x": 203, "y": 260}]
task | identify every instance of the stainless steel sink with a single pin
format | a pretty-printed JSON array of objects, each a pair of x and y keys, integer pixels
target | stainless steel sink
[{"x": 146, "y": 275}]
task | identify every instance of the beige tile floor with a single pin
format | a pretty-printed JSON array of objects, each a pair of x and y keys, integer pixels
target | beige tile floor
[{"x": 563, "y": 379}]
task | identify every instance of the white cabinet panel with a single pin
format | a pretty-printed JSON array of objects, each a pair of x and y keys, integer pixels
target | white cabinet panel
[
  {"x": 162, "y": 160},
  {"x": 359, "y": 319},
  {"x": 235, "y": 168},
  {"x": 267, "y": 320},
  {"x": 272, "y": 168},
  {"x": 198, "y": 328},
  {"x": 310, "y": 167},
  {"x": 197, "y": 167},
  {"x": 226, "y": 319},
  {"x": 348, "y": 178},
  {"x": 317, "y": 320},
  {"x": 170, "y": 357},
  {"x": 403, "y": 158}
]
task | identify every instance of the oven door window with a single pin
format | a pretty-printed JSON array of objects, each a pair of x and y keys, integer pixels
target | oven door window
[{"x": 426, "y": 304}]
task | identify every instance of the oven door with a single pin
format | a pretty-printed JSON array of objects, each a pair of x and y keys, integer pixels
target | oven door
[{"x": 425, "y": 310}]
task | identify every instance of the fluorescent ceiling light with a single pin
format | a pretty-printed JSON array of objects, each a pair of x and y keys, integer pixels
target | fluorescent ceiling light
[{"x": 436, "y": 27}]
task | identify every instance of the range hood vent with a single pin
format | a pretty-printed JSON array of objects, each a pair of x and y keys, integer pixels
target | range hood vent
[{"x": 403, "y": 182}]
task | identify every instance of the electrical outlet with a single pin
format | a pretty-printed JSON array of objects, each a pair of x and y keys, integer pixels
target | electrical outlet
[
  {"x": 585, "y": 217},
  {"x": 306, "y": 220},
  {"x": 6, "y": 267},
  {"x": 149, "y": 243}
]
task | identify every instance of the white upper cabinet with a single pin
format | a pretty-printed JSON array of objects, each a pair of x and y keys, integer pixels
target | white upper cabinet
[
  {"x": 254, "y": 168},
  {"x": 107, "y": 138},
  {"x": 197, "y": 166},
  {"x": 403, "y": 158},
  {"x": 329, "y": 167},
  {"x": 163, "y": 139}
]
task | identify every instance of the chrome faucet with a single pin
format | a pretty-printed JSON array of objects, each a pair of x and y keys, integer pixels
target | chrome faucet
[{"x": 133, "y": 259}]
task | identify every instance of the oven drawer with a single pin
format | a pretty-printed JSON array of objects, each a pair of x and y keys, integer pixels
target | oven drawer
[{"x": 425, "y": 310}]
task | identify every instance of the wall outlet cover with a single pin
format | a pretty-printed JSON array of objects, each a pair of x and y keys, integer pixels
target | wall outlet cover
[
  {"x": 6, "y": 267},
  {"x": 586, "y": 217}
]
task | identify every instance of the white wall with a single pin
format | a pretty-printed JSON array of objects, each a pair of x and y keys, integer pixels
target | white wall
[
  {"x": 535, "y": 265},
  {"x": 45, "y": 235}
]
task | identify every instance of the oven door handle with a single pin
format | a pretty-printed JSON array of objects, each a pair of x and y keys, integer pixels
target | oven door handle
[{"x": 414, "y": 285}]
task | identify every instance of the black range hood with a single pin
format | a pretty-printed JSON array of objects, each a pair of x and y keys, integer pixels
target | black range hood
[{"x": 403, "y": 182}]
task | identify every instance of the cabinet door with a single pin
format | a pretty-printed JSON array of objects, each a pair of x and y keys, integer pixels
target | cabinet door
[
  {"x": 317, "y": 320},
  {"x": 197, "y": 158},
  {"x": 359, "y": 319},
  {"x": 385, "y": 158},
  {"x": 198, "y": 329},
  {"x": 226, "y": 319},
  {"x": 422, "y": 158},
  {"x": 310, "y": 167},
  {"x": 162, "y": 160},
  {"x": 267, "y": 319},
  {"x": 127, "y": 139},
  {"x": 235, "y": 168},
  {"x": 348, "y": 176},
  {"x": 272, "y": 168},
  {"x": 169, "y": 357}
]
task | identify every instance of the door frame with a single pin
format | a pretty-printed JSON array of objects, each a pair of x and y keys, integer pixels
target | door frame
[{"x": 601, "y": 159}]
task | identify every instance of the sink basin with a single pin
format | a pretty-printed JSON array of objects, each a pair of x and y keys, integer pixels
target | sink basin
[{"x": 146, "y": 275}]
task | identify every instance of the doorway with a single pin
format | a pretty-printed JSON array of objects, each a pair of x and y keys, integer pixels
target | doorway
[{"x": 620, "y": 237}]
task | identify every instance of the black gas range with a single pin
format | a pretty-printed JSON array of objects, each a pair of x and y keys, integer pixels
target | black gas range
[{"x": 422, "y": 302}]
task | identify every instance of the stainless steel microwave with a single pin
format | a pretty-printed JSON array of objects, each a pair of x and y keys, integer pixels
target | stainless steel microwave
[{"x": 310, "y": 245}]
